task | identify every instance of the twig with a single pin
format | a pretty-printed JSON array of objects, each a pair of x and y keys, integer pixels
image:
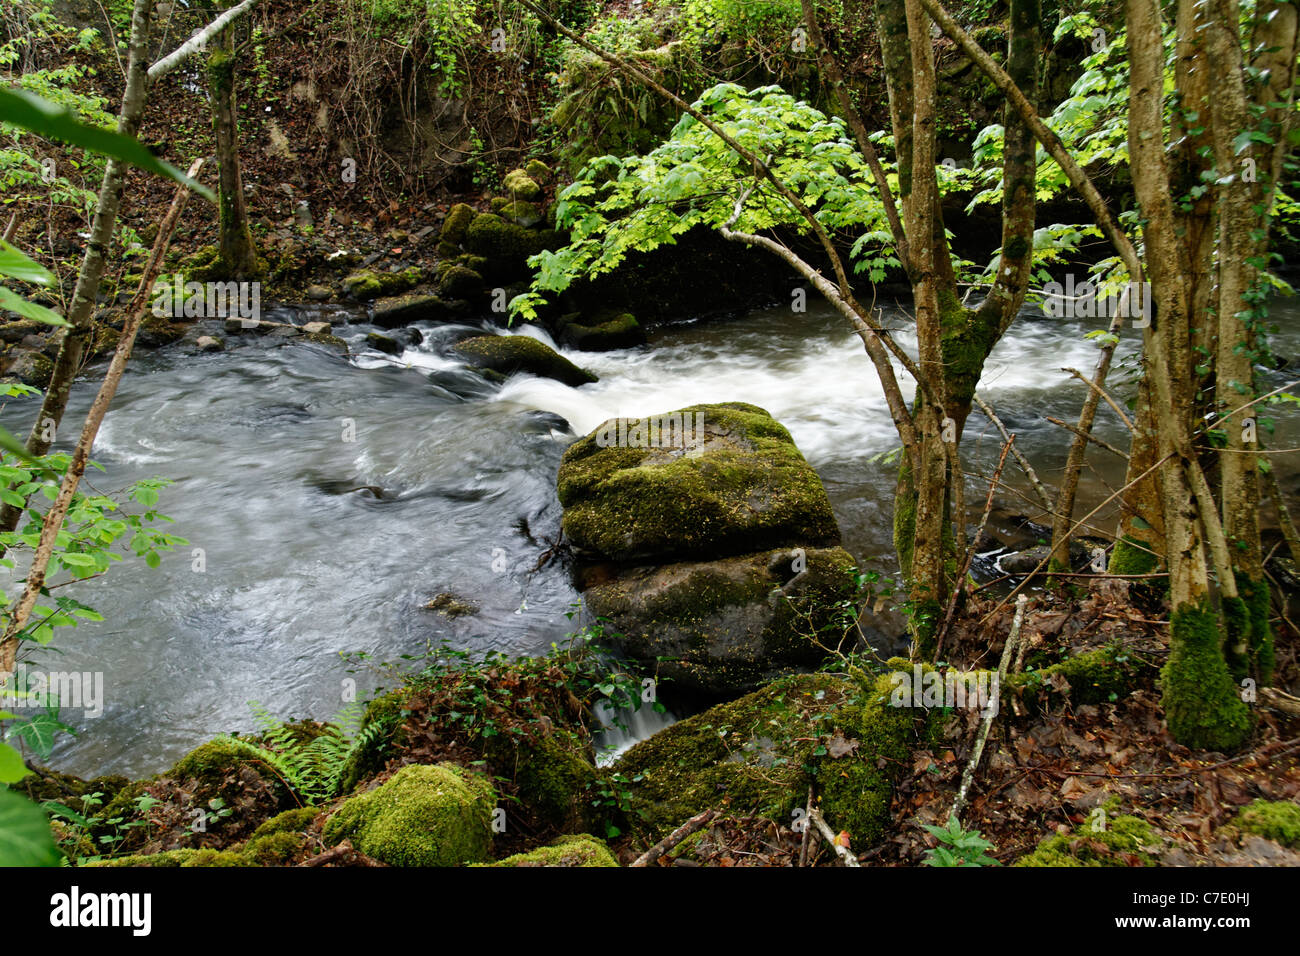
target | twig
[
  {"x": 842, "y": 852},
  {"x": 1102, "y": 392},
  {"x": 197, "y": 42},
  {"x": 807, "y": 832},
  {"x": 1021, "y": 460},
  {"x": 1089, "y": 436},
  {"x": 968, "y": 775},
  {"x": 674, "y": 838}
]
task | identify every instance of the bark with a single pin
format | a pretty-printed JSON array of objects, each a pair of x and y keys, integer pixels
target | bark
[{"x": 238, "y": 253}]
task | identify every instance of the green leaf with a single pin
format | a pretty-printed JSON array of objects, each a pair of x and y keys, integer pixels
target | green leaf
[
  {"x": 30, "y": 112},
  {"x": 11, "y": 301},
  {"x": 39, "y": 733},
  {"x": 25, "y": 838},
  {"x": 12, "y": 768},
  {"x": 15, "y": 264}
]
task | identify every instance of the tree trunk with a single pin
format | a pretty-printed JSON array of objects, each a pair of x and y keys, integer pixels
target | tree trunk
[{"x": 237, "y": 257}]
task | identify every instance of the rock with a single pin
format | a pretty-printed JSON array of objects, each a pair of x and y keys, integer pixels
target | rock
[
  {"x": 302, "y": 218},
  {"x": 382, "y": 343},
  {"x": 620, "y": 332},
  {"x": 319, "y": 293},
  {"x": 508, "y": 354},
  {"x": 722, "y": 627},
  {"x": 29, "y": 367},
  {"x": 738, "y": 486},
  {"x": 764, "y": 761},
  {"x": 518, "y": 185},
  {"x": 1023, "y": 562},
  {"x": 460, "y": 282},
  {"x": 317, "y": 328},
  {"x": 458, "y": 219},
  {"x": 537, "y": 170},
  {"x": 505, "y": 245},
  {"x": 239, "y": 326},
  {"x": 581, "y": 849},
  {"x": 367, "y": 285},
  {"x": 209, "y": 343},
  {"x": 449, "y": 605},
  {"x": 438, "y": 815},
  {"x": 521, "y": 213},
  {"x": 392, "y": 313}
]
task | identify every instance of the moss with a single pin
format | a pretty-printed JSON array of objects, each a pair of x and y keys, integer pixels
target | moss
[
  {"x": 748, "y": 488},
  {"x": 366, "y": 285},
  {"x": 518, "y": 185},
  {"x": 1094, "y": 677},
  {"x": 276, "y": 849},
  {"x": 459, "y": 282},
  {"x": 291, "y": 821},
  {"x": 1256, "y": 599},
  {"x": 1278, "y": 821},
  {"x": 521, "y": 353},
  {"x": 1201, "y": 703},
  {"x": 458, "y": 219},
  {"x": 423, "y": 816},
  {"x": 553, "y": 775},
  {"x": 1125, "y": 841},
  {"x": 178, "y": 858},
  {"x": 753, "y": 756},
  {"x": 388, "y": 714},
  {"x": 620, "y": 332},
  {"x": 362, "y": 285},
  {"x": 580, "y": 850},
  {"x": 211, "y": 760},
  {"x": 1132, "y": 556},
  {"x": 495, "y": 239},
  {"x": 537, "y": 170}
]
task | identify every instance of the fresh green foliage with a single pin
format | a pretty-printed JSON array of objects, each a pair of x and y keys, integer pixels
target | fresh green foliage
[
  {"x": 25, "y": 838},
  {"x": 694, "y": 179},
  {"x": 958, "y": 846},
  {"x": 312, "y": 765}
]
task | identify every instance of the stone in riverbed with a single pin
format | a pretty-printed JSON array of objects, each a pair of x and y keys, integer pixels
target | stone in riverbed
[
  {"x": 607, "y": 333},
  {"x": 508, "y": 354},
  {"x": 725, "y": 626},
  {"x": 402, "y": 310},
  {"x": 382, "y": 343},
  {"x": 319, "y": 293},
  {"x": 209, "y": 343},
  {"x": 741, "y": 487}
]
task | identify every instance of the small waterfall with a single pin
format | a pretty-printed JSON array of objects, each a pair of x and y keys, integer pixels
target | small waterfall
[{"x": 614, "y": 741}]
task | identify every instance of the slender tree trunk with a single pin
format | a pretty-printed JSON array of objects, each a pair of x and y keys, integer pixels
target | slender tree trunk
[{"x": 238, "y": 253}]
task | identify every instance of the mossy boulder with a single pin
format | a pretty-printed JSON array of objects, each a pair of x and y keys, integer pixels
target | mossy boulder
[
  {"x": 1120, "y": 841},
  {"x": 537, "y": 170},
  {"x": 396, "y": 311},
  {"x": 458, "y": 219},
  {"x": 382, "y": 343},
  {"x": 722, "y": 627},
  {"x": 617, "y": 332},
  {"x": 367, "y": 285},
  {"x": 554, "y": 775},
  {"x": 1277, "y": 821},
  {"x": 737, "y": 485},
  {"x": 460, "y": 282},
  {"x": 439, "y": 815},
  {"x": 521, "y": 213},
  {"x": 506, "y": 246},
  {"x": 508, "y": 354},
  {"x": 757, "y": 755},
  {"x": 381, "y": 727},
  {"x": 519, "y": 185},
  {"x": 578, "y": 850}
]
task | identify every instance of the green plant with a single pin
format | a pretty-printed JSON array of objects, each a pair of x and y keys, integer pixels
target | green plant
[{"x": 958, "y": 846}]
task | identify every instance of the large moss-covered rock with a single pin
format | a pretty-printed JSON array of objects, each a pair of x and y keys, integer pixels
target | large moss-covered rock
[
  {"x": 424, "y": 815},
  {"x": 618, "y": 332},
  {"x": 509, "y": 354},
  {"x": 396, "y": 311},
  {"x": 460, "y": 282},
  {"x": 758, "y": 755},
  {"x": 492, "y": 237},
  {"x": 458, "y": 219},
  {"x": 366, "y": 285},
  {"x": 721, "y": 627},
  {"x": 580, "y": 850},
  {"x": 1274, "y": 820},
  {"x": 555, "y": 777},
  {"x": 519, "y": 185},
  {"x": 738, "y": 486}
]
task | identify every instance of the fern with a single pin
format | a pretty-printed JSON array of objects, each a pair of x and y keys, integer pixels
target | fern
[{"x": 312, "y": 769}]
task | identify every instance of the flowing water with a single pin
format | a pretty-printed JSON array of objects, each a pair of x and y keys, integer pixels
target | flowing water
[{"x": 313, "y": 544}]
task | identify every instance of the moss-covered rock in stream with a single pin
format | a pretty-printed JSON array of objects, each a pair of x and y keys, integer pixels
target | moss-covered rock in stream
[
  {"x": 577, "y": 850},
  {"x": 396, "y": 311},
  {"x": 508, "y": 354},
  {"x": 722, "y": 627},
  {"x": 618, "y": 332},
  {"x": 457, "y": 222},
  {"x": 460, "y": 282},
  {"x": 758, "y": 755},
  {"x": 521, "y": 213},
  {"x": 736, "y": 484},
  {"x": 554, "y": 775},
  {"x": 367, "y": 285},
  {"x": 439, "y": 815},
  {"x": 1120, "y": 841},
  {"x": 1278, "y": 821}
]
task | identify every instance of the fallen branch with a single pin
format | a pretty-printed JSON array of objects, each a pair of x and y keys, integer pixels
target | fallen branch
[
  {"x": 1021, "y": 460},
  {"x": 674, "y": 838},
  {"x": 344, "y": 851},
  {"x": 1089, "y": 436},
  {"x": 1102, "y": 392},
  {"x": 968, "y": 775},
  {"x": 828, "y": 834},
  {"x": 199, "y": 41}
]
